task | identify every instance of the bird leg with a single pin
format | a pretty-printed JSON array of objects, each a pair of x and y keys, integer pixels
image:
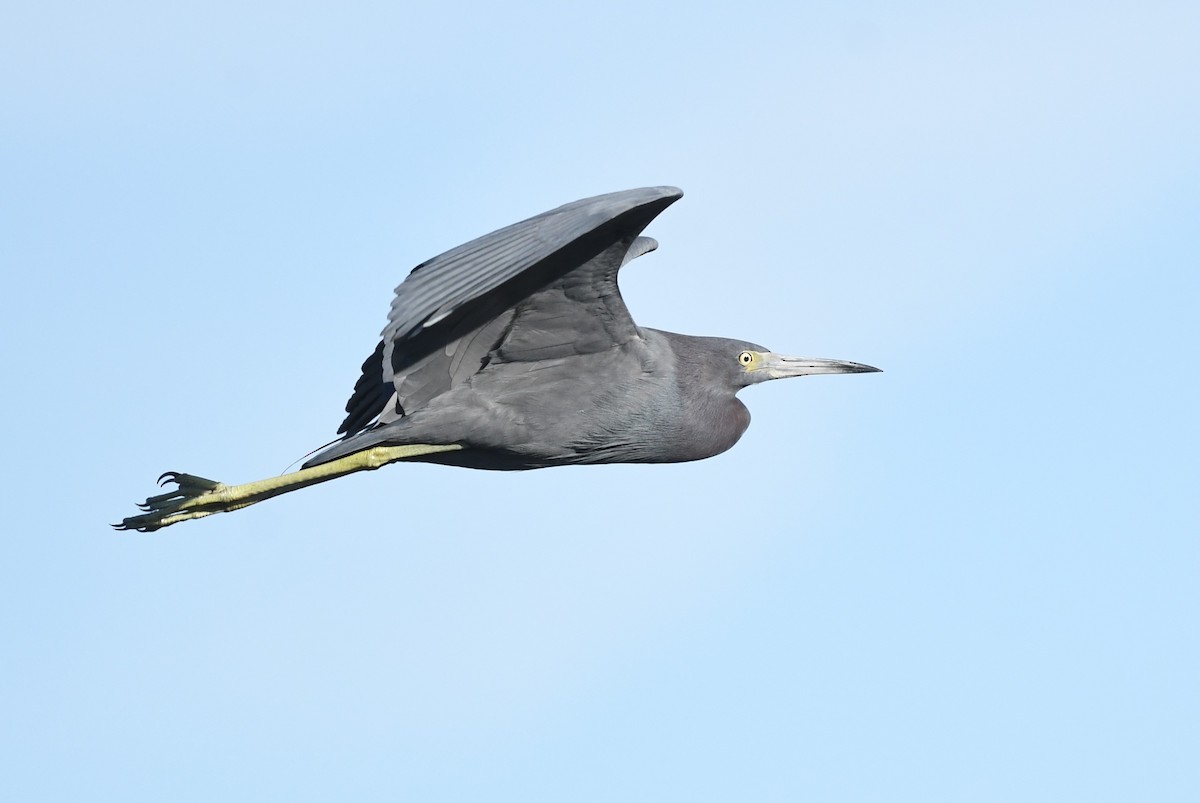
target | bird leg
[{"x": 195, "y": 497}]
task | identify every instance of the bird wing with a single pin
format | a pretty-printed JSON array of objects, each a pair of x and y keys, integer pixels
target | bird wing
[{"x": 540, "y": 288}]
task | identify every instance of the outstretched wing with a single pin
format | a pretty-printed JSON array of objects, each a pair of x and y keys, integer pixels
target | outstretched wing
[{"x": 540, "y": 288}]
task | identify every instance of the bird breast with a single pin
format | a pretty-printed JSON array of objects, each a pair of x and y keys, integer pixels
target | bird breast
[{"x": 708, "y": 427}]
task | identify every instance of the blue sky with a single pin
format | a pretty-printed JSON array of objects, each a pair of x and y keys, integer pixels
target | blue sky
[{"x": 971, "y": 577}]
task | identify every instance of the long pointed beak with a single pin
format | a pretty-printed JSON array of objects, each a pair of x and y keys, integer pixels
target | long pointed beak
[{"x": 779, "y": 366}]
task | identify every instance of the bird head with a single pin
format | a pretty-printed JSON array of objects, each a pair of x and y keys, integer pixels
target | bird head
[{"x": 754, "y": 364}]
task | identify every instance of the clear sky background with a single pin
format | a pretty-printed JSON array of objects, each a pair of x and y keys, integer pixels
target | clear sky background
[{"x": 973, "y": 577}]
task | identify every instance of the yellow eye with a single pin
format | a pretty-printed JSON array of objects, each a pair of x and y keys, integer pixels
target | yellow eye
[{"x": 746, "y": 358}]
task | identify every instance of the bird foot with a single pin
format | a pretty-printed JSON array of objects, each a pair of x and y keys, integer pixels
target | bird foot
[{"x": 192, "y": 497}]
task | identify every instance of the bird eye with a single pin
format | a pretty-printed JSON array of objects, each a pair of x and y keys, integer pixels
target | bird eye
[{"x": 745, "y": 358}]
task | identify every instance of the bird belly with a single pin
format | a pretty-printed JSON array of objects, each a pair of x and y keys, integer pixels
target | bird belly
[{"x": 572, "y": 411}]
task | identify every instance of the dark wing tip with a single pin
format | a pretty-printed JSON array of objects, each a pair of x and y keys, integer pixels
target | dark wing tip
[
  {"x": 370, "y": 396},
  {"x": 425, "y": 290}
]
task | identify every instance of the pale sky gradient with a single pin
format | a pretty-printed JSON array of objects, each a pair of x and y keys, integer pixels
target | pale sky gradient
[{"x": 974, "y": 577}]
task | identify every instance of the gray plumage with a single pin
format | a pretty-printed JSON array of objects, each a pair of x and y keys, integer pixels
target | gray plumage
[
  {"x": 516, "y": 351},
  {"x": 519, "y": 347}
]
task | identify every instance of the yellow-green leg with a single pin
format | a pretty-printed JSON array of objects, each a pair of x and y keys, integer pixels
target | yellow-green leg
[{"x": 195, "y": 497}]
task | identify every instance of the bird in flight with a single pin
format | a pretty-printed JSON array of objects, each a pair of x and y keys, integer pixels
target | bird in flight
[{"x": 515, "y": 351}]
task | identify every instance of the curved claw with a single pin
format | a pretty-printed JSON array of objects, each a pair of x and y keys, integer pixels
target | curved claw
[{"x": 189, "y": 499}]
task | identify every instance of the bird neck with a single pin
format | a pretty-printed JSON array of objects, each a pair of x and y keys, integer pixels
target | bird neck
[{"x": 711, "y": 418}]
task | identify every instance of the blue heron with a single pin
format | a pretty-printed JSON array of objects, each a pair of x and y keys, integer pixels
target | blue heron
[{"x": 515, "y": 351}]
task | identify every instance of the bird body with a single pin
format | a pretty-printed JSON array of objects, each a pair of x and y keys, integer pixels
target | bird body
[
  {"x": 516, "y": 351},
  {"x": 653, "y": 399}
]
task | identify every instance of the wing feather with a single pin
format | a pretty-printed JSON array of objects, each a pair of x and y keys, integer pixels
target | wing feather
[{"x": 528, "y": 267}]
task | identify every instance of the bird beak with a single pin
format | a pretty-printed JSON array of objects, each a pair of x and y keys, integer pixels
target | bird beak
[{"x": 779, "y": 366}]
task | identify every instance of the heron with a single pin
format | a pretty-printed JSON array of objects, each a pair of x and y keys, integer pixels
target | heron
[{"x": 516, "y": 351}]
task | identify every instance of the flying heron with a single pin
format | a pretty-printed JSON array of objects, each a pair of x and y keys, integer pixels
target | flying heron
[{"x": 516, "y": 351}]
